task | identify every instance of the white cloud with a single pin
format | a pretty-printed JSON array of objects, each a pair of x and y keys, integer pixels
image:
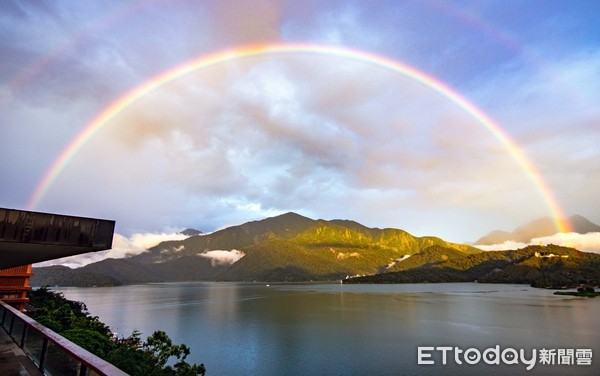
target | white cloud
[
  {"x": 292, "y": 133},
  {"x": 172, "y": 250},
  {"x": 309, "y": 133},
  {"x": 589, "y": 242},
  {"x": 220, "y": 257},
  {"x": 551, "y": 112},
  {"x": 507, "y": 245},
  {"x": 143, "y": 241},
  {"x": 122, "y": 247}
]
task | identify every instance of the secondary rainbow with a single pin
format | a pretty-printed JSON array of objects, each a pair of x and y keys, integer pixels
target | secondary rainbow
[{"x": 137, "y": 93}]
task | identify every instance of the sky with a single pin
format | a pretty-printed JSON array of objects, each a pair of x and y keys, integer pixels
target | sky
[{"x": 324, "y": 134}]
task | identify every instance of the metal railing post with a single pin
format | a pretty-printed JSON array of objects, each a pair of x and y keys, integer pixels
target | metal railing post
[
  {"x": 43, "y": 353},
  {"x": 12, "y": 323},
  {"x": 85, "y": 361},
  {"x": 25, "y": 327}
]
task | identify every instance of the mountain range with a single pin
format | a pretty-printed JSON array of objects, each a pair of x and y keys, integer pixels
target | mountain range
[
  {"x": 291, "y": 247},
  {"x": 537, "y": 228},
  {"x": 548, "y": 266}
]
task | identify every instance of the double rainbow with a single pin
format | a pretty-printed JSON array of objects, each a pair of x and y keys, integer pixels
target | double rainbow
[{"x": 137, "y": 93}]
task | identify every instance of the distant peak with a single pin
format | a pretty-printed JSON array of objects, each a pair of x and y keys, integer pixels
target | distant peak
[
  {"x": 191, "y": 232},
  {"x": 582, "y": 225},
  {"x": 287, "y": 218},
  {"x": 290, "y": 215},
  {"x": 544, "y": 226}
]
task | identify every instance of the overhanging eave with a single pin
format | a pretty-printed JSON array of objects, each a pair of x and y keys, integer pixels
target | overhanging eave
[{"x": 29, "y": 237}]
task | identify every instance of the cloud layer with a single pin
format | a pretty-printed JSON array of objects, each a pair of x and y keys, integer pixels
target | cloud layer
[
  {"x": 589, "y": 242},
  {"x": 122, "y": 247},
  {"x": 325, "y": 136},
  {"x": 220, "y": 257},
  {"x": 297, "y": 134}
]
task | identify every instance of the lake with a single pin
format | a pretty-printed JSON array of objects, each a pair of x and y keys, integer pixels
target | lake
[{"x": 333, "y": 329}]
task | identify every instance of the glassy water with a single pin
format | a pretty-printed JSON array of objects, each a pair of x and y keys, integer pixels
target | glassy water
[{"x": 332, "y": 329}]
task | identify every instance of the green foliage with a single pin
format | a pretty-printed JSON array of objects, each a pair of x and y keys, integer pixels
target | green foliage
[
  {"x": 585, "y": 291},
  {"x": 540, "y": 266},
  {"x": 56, "y": 312},
  {"x": 91, "y": 340},
  {"x": 50, "y": 323},
  {"x": 151, "y": 358},
  {"x": 72, "y": 320}
]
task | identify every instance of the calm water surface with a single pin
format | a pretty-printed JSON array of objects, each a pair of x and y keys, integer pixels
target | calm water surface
[{"x": 330, "y": 329}]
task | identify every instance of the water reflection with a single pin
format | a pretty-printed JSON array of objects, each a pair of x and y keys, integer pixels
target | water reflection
[{"x": 329, "y": 329}]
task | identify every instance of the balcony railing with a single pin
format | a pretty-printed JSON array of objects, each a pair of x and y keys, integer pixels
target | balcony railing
[{"x": 52, "y": 353}]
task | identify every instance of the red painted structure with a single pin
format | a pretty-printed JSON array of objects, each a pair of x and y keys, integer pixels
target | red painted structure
[{"x": 14, "y": 284}]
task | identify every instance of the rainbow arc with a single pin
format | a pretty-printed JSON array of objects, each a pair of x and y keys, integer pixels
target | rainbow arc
[{"x": 121, "y": 104}]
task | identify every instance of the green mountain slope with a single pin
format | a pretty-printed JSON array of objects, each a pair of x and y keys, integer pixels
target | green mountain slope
[
  {"x": 288, "y": 247},
  {"x": 59, "y": 275},
  {"x": 236, "y": 237},
  {"x": 540, "y": 266}
]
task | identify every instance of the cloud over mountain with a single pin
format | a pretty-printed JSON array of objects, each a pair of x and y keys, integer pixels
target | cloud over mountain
[
  {"x": 220, "y": 257},
  {"x": 589, "y": 242},
  {"x": 122, "y": 247}
]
